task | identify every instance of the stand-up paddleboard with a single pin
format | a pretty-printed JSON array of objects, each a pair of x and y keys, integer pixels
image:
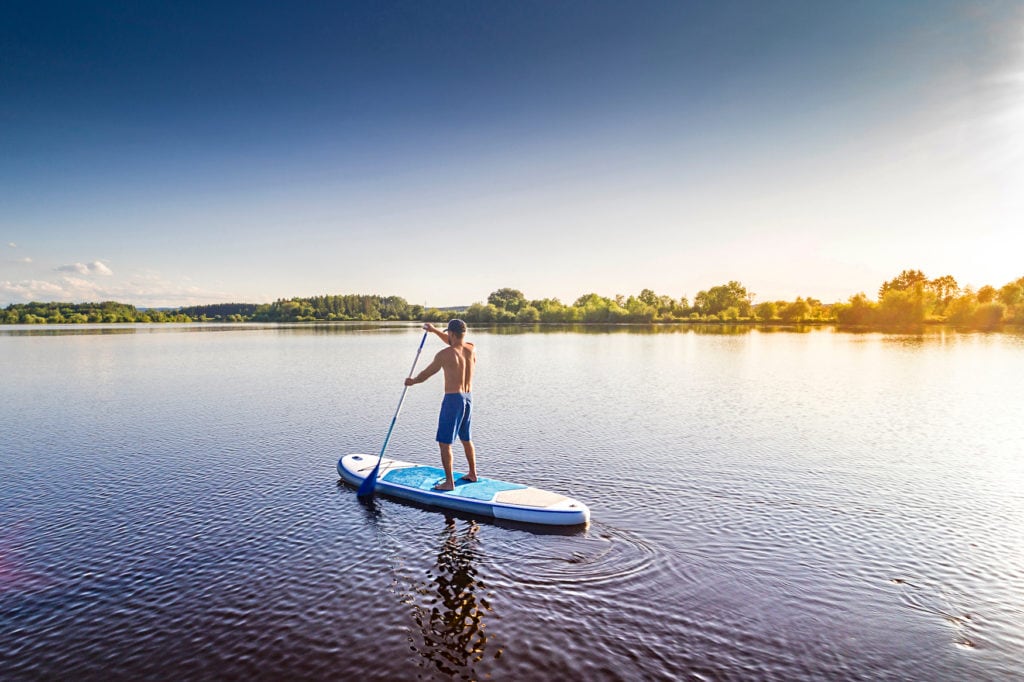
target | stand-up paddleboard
[{"x": 487, "y": 497}]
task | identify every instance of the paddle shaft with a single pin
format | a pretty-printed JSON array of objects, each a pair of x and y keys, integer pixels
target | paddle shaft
[{"x": 370, "y": 482}]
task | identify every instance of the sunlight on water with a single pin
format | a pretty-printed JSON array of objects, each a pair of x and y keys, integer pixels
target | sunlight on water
[{"x": 766, "y": 505}]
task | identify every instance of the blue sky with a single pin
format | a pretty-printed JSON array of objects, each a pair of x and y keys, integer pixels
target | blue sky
[{"x": 175, "y": 153}]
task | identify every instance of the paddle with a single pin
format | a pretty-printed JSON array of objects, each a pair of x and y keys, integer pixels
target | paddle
[{"x": 370, "y": 482}]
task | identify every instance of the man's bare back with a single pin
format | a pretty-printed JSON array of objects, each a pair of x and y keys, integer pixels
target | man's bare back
[{"x": 457, "y": 361}]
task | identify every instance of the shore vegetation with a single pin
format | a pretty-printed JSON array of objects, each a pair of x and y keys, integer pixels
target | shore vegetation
[{"x": 909, "y": 299}]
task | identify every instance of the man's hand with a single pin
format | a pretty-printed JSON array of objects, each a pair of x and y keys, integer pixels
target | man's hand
[
  {"x": 434, "y": 330},
  {"x": 410, "y": 381}
]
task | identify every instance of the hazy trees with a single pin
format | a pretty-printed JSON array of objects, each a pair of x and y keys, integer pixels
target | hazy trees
[
  {"x": 859, "y": 311},
  {"x": 718, "y": 299},
  {"x": 968, "y": 310},
  {"x": 769, "y": 310},
  {"x": 986, "y": 294},
  {"x": 901, "y": 282},
  {"x": 945, "y": 289},
  {"x": 797, "y": 311},
  {"x": 912, "y": 299},
  {"x": 1012, "y": 293},
  {"x": 909, "y": 299}
]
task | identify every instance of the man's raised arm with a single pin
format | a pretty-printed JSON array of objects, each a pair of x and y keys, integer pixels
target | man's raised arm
[{"x": 440, "y": 334}]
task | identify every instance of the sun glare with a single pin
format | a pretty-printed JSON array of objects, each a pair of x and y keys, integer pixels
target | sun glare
[{"x": 1009, "y": 126}]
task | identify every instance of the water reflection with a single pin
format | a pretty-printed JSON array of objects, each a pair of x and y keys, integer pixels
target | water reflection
[
  {"x": 356, "y": 327},
  {"x": 449, "y": 607},
  {"x": 713, "y": 329},
  {"x": 320, "y": 328},
  {"x": 593, "y": 328}
]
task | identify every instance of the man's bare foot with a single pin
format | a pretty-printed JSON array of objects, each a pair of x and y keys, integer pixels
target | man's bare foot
[
  {"x": 468, "y": 479},
  {"x": 443, "y": 487}
]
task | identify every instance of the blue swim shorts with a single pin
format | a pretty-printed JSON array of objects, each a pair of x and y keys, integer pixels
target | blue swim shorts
[{"x": 456, "y": 410}]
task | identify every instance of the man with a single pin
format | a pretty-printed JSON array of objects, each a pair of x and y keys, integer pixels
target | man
[{"x": 457, "y": 361}]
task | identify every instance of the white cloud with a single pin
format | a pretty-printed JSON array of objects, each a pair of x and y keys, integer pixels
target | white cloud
[
  {"x": 31, "y": 290},
  {"x": 150, "y": 290},
  {"x": 94, "y": 268},
  {"x": 26, "y": 259},
  {"x": 12, "y": 245},
  {"x": 80, "y": 268},
  {"x": 70, "y": 289}
]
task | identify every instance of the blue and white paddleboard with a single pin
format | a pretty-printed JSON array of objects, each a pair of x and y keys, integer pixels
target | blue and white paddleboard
[{"x": 487, "y": 497}]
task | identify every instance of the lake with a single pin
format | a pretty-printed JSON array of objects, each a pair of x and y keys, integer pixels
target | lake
[{"x": 765, "y": 505}]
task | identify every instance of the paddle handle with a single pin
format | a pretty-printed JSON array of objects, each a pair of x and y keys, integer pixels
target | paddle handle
[
  {"x": 368, "y": 484},
  {"x": 404, "y": 391}
]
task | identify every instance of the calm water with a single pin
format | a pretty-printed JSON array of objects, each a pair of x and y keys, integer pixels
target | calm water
[{"x": 778, "y": 506}]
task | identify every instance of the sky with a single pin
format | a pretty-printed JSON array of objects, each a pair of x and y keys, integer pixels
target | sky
[{"x": 166, "y": 154}]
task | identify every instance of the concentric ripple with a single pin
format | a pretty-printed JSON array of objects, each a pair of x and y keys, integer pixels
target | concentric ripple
[{"x": 603, "y": 555}]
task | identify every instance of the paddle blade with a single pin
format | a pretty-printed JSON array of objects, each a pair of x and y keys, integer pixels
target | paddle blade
[{"x": 369, "y": 483}]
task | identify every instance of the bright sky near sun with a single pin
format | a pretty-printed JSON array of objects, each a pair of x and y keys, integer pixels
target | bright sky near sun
[{"x": 194, "y": 152}]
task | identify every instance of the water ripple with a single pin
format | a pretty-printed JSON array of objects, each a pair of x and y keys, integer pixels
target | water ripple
[{"x": 750, "y": 521}]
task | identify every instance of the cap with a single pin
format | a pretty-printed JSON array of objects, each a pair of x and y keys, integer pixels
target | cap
[{"x": 457, "y": 326}]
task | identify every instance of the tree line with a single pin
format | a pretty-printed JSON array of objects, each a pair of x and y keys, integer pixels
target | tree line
[
  {"x": 314, "y": 309},
  {"x": 911, "y": 298},
  {"x": 80, "y": 313}
]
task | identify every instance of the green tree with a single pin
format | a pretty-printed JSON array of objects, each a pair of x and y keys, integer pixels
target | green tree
[
  {"x": 589, "y": 299},
  {"x": 434, "y": 315},
  {"x": 766, "y": 311},
  {"x": 859, "y": 311},
  {"x": 480, "y": 312},
  {"x": 797, "y": 311},
  {"x": 528, "y": 314},
  {"x": 903, "y": 306},
  {"x": 986, "y": 294},
  {"x": 903, "y": 281},
  {"x": 961, "y": 309},
  {"x": 594, "y": 308},
  {"x": 988, "y": 315},
  {"x": 553, "y": 310},
  {"x": 639, "y": 310},
  {"x": 717, "y": 299},
  {"x": 509, "y": 299},
  {"x": 1011, "y": 294},
  {"x": 945, "y": 289},
  {"x": 648, "y": 297}
]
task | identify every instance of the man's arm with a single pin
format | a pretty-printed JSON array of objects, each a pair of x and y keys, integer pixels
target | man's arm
[
  {"x": 428, "y": 371},
  {"x": 440, "y": 334}
]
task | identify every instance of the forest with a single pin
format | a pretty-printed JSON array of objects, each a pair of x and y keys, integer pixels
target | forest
[{"x": 909, "y": 299}]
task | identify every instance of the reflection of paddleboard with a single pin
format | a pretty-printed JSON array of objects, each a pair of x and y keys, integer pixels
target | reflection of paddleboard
[{"x": 486, "y": 496}]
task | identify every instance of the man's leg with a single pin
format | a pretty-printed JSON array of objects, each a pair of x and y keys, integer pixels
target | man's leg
[
  {"x": 467, "y": 445},
  {"x": 447, "y": 462}
]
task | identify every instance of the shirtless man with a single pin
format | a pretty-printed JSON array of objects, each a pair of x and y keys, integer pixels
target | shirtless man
[{"x": 457, "y": 361}]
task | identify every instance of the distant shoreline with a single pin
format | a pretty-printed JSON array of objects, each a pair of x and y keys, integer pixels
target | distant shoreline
[
  {"x": 908, "y": 300},
  {"x": 700, "y": 326}
]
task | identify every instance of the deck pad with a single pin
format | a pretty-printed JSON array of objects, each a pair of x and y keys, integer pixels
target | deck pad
[{"x": 425, "y": 477}]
